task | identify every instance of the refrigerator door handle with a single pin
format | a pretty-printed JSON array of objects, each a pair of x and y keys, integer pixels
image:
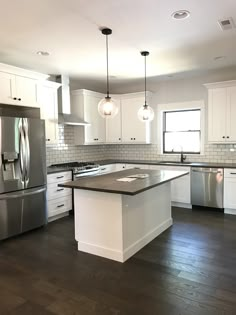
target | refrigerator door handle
[
  {"x": 27, "y": 150},
  {"x": 22, "y": 151},
  {"x": 22, "y": 194}
]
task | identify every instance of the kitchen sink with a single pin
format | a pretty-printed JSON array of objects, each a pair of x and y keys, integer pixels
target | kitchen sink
[{"x": 175, "y": 163}]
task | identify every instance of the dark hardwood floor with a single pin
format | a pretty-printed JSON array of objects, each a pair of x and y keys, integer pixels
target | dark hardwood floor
[{"x": 189, "y": 269}]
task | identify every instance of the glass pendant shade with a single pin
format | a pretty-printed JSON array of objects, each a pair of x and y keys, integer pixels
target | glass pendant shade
[
  {"x": 107, "y": 107},
  {"x": 145, "y": 113}
]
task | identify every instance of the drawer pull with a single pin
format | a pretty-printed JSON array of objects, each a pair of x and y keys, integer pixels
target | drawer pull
[
  {"x": 233, "y": 173},
  {"x": 59, "y": 177},
  {"x": 59, "y": 206},
  {"x": 60, "y": 189}
]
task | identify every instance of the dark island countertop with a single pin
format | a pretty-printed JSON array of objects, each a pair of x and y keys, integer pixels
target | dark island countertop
[{"x": 108, "y": 183}]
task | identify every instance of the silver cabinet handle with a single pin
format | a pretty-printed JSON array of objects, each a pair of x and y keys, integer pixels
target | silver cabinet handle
[
  {"x": 60, "y": 189},
  {"x": 59, "y": 206},
  {"x": 233, "y": 173},
  {"x": 59, "y": 177}
]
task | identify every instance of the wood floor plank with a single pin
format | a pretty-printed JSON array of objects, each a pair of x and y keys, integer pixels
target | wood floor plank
[{"x": 188, "y": 270}]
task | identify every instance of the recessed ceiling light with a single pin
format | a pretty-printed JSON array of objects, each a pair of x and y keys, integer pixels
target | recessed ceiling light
[
  {"x": 43, "y": 53},
  {"x": 219, "y": 57},
  {"x": 180, "y": 15}
]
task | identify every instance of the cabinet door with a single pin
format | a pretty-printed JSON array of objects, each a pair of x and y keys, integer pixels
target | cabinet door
[
  {"x": 26, "y": 91},
  {"x": 180, "y": 189},
  {"x": 113, "y": 127},
  {"x": 229, "y": 193},
  {"x": 133, "y": 130},
  {"x": 231, "y": 115},
  {"x": 7, "y": 88},
  {"x": 47, "y": 98},
  {"x": 217, "y": 107},
  {"x": 96, "y": 131}
]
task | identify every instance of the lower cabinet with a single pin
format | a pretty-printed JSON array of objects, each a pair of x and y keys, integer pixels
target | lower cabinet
[
  {"x": 229, "y": 190},
  {"x": 180, "y": 187},
  {"x": 59, "y": 199}
]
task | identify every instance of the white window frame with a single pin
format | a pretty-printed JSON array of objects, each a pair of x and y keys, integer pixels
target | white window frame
[{"x": 176, "y": 107}]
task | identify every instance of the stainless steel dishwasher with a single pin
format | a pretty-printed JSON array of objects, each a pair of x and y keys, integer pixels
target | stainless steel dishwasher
[{"x": 207, "y": 187}]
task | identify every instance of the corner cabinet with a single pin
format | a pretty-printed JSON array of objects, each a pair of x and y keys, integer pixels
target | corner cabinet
[
  {"x": 19, "y": 86},
  {"x": 222, "y": 112},
  {"x": 47, "y": 99},
  {"x": 85, "y": 105}
]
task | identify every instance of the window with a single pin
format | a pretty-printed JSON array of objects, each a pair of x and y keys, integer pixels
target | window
[{"x": 181, "y": 131}]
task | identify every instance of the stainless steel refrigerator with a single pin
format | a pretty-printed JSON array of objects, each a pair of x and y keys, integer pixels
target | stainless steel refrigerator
[{"x": 22, "y": 175}]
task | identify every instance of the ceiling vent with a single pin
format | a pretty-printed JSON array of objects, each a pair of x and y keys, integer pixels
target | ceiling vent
[{"x": 226, "y": 24}]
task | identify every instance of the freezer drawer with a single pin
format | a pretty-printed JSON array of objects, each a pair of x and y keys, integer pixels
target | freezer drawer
[
  {"x": 207, "y": 187},
  {"x": 22, "y": 211}
]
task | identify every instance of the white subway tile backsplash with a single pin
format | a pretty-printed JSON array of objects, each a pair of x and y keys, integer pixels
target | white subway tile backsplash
[{"x": 66, "y": 151}]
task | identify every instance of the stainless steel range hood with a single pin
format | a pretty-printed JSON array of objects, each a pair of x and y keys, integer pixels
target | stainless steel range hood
[{"x": 65, "y": 113}]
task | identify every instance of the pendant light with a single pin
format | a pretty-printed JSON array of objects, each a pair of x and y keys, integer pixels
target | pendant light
[
  {"x": 107, "y": 107},
  {"x": 145, "y": 113}
]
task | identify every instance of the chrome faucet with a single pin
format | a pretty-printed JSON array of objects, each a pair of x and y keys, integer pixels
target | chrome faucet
[{"x": 182, "y": 157}]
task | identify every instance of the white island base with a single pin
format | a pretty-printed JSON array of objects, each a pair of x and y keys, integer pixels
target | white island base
[{"x": 116, "y": 226}]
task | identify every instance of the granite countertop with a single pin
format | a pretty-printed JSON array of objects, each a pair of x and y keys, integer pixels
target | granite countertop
[
  {"x": 51, "y": 170},
  {"x": 108, "y": 183},
  {"x": 169, "y": 163}
]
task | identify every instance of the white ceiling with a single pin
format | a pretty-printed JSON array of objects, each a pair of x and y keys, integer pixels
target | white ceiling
[{"x": 69, "y": 30}]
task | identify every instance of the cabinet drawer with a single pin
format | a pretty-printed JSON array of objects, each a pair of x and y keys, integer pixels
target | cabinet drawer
[
  {"x": 59, "y": 177},
  {"x": 230, "y": 172},
  {"x": 59, "y": 205},
  {"x": 54, "y": 191}
]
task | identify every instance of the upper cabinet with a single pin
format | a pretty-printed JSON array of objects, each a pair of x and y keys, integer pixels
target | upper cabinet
[
  {"x": 222, "y": 112},
  {"x": 47, "y": 99},
  {"x": 84, "y": 104},
  {"x": 125, "y": 127},
  {"x": 134, "y": 130},
  {"x": 113, "y": 125},
  {"x": 19, "y": 86}
]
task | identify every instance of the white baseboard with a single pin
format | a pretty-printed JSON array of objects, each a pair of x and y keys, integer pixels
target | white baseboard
[
  {"x": 181, "y": 205},
  {"x": 230, "y": 211},
  {"x": 135, "y": 247},
  {"x": 100, "y": 251}
]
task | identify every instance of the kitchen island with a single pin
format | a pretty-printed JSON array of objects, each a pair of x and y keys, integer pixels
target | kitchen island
[{"x": 117, "y": 214}]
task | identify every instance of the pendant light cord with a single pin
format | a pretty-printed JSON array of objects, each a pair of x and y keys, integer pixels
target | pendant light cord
[
  {"x": 145, "y": 81},
  {"x": 107, "y": 66}
]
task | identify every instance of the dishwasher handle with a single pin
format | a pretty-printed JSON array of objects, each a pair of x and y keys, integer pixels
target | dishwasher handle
[{"x": 206, "y": 171}]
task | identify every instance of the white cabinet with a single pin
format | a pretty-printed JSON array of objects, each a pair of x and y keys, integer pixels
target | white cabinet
[
  {"x": 125, "y": 127},
  {"x": 222, "y": 112},
  {"x": 180, "y": 187},
  {"x": 17, "y": 90},
  {"x": 19, "y": 86},
  {"x": 85, "y": 105},
  {"x": 134, "y": 130},
  {"x": 59, "y": 198},
  {"x": 113, "y": 125},
  {"x": 47, "y": 99},
  {"x": 229, "y": 190}
]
